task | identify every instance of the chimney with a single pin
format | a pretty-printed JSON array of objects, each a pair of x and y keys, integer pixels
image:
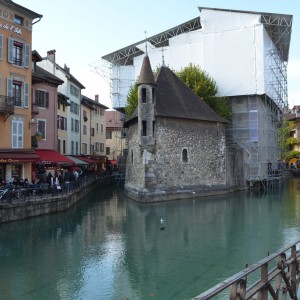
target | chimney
[
  {"x": 51, "y": 55},
  {"x": 97, "y": 98},
  {"x": 66, "y": 69}
]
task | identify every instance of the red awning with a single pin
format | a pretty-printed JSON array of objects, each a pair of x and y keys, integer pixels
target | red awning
[
  {"x": 86, "y": 159},
  {"x": 17, "y": 157},
  {"x": 51, "y": 156},
  {"x": 112, "y": 162}
]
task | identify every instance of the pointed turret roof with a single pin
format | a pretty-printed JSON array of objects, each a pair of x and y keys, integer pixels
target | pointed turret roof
[{"x": 146, "y": 74}]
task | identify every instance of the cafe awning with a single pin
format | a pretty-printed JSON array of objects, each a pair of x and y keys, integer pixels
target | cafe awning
[
  {"x": 51, "y": 157},
  {"x": 17, "y": 157},
  {"x": 112, "y": 162},
  {"x": 86, "y": 159},
  {"x": 76, "y": 160}
]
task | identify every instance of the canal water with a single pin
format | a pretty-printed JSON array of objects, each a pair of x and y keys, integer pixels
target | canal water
[{"x": 109, "y": 247}]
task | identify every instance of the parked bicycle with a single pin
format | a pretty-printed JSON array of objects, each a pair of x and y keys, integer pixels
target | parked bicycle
[{"x": 6, "y": 195}]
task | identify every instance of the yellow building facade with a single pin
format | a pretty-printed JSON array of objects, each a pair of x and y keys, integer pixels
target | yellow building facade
[{"x": 16, "y": 153}]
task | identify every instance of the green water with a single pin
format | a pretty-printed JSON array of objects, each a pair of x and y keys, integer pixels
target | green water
[{"x": 109, "y": 247}]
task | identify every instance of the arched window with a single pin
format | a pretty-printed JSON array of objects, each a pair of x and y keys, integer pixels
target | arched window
[{"x": 184, "y": 155}]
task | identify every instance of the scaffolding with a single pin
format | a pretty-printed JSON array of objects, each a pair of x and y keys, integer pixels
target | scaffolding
[{"x": 255, "y": 117}]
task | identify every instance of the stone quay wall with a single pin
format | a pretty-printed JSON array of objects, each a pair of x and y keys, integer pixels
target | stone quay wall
[{"x": 37, "y": 206}]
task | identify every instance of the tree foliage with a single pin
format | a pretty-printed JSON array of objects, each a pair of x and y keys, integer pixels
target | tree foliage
[
  {"x": 284, "y": 140},
  {"x": 132, "y": 100},
  {"x": 197, "y": 80},
  {"x": 206, "y": 88}
]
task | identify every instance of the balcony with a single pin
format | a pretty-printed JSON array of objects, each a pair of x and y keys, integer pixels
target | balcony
[{"x": 6, "y": 106}]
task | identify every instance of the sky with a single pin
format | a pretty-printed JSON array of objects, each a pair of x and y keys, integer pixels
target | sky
[{"x": 82, "y": 32}]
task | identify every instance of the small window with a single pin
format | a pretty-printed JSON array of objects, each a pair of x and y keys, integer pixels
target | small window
[
  {"x": 42, "y": 128},
  {"x": 184, "y": 156},
  {"x": 132, "y": 157},
  {"x": 42, "y": 98},
  {"x": 64, "y": 147},
  {"x": 144, "y": 94},
  {"x": 18, "y": 20},
  {"x": 18, "y": 53},
  {"x": 144, "y": 128},
  {"x": 108, "y": 134},
  {"x": 153, "y": 93}
]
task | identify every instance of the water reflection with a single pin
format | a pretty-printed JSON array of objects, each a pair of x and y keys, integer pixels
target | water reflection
[{"x": 109, "y": 247}]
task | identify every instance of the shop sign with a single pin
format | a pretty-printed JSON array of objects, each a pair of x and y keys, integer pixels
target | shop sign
[
  {"x": 8, "y": 160},
  {"x": 12, "y": 28}
]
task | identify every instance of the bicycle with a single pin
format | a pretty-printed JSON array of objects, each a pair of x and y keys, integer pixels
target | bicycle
[{"x": 6, "y": 194}]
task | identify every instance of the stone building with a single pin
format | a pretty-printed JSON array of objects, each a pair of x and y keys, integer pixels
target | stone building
[
  {"x": 176, "y": 143},
  {"x": 246, "y": 53}
]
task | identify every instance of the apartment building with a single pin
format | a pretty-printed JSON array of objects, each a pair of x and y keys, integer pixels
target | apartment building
[
  {"x": 93, "y": 129},
  {"x": 115, "y": 135},
  {"x": 71, "y": 88},
  {"x": 16, "y": 152}
]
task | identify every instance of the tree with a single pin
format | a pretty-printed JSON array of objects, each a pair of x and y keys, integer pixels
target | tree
[
  {"x": 201, "y": 84},
  {"x": 285, "y": 141},
  {"x": 132, "y": 100},
  {"x": 206, "y": 88}
]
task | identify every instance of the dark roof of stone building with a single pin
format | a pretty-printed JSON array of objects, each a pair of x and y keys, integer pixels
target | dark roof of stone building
[
  {"x": 146, "y": 74},
  {"x": 174, "y": 99}
]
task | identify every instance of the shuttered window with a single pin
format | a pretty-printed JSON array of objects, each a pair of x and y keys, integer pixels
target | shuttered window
[
  {"x": 1, "y": 45},
  {"x": 27, "y": 56},
  {"x": 42, "y": 98},
  {"x": 26, "y": 95},
  {"x": 17, "y": 136},
  {"x": 10, "y": 50}
]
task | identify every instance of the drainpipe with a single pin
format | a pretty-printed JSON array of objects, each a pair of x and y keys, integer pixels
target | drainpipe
[{"x": 40, "y": 18}]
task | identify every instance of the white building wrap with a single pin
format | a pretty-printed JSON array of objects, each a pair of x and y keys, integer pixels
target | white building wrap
[{"x": 233, "y": 47}]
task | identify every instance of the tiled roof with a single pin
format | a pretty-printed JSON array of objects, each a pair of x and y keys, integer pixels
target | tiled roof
[
  {"x": 113, "y": 119},
  {"x": 45, "y": 75},
  {"x": 175, "y": 99}
]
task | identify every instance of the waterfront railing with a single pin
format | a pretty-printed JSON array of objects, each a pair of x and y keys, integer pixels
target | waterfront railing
[
  {"x": 274, "y": 277},
  {"x": 36, "y": 192}
]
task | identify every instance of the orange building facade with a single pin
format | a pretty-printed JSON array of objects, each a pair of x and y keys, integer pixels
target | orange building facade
[{"x": 16, "y": 152}]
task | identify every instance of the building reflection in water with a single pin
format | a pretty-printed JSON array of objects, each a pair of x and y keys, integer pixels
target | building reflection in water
[{"x": 109, "y": 247}]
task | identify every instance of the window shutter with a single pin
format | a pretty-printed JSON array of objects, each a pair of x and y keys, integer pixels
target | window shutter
[
  {"x": 47, "y": 99},
  {"x": 26, "y": 94},
  {"x": 10, "y": 50},
  {"x": 14, "y": 134},
  {"x": 20, "y": 134},
  {"x": 9, "y": 91},
  {"x": 1, "y": 45},
  {"x": 0, "y": 86},
  {"x": 27, "y": 56}
]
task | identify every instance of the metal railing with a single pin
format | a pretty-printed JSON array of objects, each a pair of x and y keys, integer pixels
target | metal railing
[
  {"x": 37, "y": 192},
  {"x": 274, "y": 277},
  {"x": 6, "y": 104}
]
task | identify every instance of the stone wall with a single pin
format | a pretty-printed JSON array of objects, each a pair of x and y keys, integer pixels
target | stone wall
[
  {"x": 135, "y": 169},
  {"x": 41, "y": 206},
  {"x": 205, "y": 144},
  {"x": 163, "y": 169}
]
